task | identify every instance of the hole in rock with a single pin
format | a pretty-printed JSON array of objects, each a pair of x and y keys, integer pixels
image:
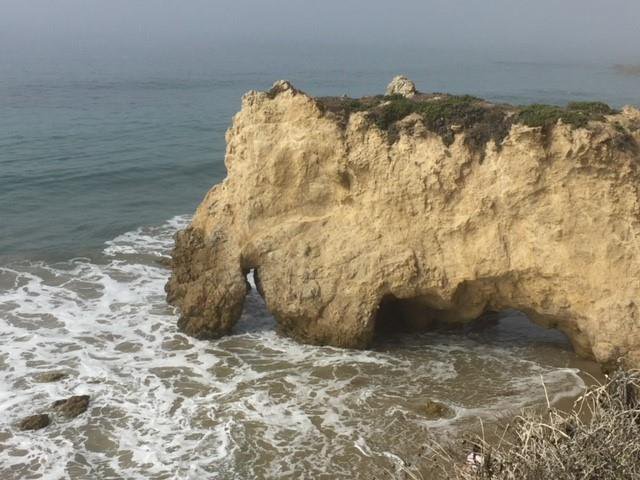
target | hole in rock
[
  {"x": 495, "y": 345},
  {"x": 255, "y": 317},
  {"x": 396, "y": 317}
]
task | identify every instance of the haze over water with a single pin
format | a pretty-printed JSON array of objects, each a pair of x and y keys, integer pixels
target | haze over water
[
  {"x": 106, "y": 150},
  {"x": 94, "y": 145}
]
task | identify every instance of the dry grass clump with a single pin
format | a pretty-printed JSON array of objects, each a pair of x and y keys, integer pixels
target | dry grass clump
[{"x": 598, "y": 440}]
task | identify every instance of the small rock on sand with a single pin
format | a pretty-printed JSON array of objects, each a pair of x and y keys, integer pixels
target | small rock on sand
[{"x": 34, "y": 422}]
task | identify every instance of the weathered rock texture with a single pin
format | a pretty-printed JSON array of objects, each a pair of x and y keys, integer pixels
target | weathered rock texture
[
  {"x": 48, "y": 377},
  {"x": 401, "y": 85},
  {"x": 348, "y": 227},
  {"x": 73, "y": 406},
  {"x": 35, "y": 422}
]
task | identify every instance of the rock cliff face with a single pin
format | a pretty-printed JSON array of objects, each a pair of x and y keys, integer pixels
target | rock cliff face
[{"x": 351, "y": 227}]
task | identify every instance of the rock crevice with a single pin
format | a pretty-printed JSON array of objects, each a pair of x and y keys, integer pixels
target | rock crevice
[{"x": 338, "y": 216}]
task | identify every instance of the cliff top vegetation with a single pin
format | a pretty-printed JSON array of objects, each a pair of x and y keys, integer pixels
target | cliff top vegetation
[{"x": 447, "y": 115}]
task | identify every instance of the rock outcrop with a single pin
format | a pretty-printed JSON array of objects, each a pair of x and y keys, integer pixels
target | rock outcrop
[
  {"x": 35, "y": 422},
  {"x": 48, "y": 377},
  {"x": 401, "y": 85},
  {"x": 351, "y": 222},
  {"x": 71, "y": 407}
]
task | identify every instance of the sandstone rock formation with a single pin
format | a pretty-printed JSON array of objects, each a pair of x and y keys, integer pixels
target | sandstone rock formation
[
  {"x": 401, "y": 85},
  {"x": 351, "y": 221}
]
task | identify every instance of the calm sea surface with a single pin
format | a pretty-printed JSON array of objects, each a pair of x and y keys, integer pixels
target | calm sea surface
[{"x": 102, "y": 159}]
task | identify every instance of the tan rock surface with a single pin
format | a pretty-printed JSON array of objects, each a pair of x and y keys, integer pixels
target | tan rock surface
[
  {"x": 347, "y": 228},
  {"x": 401, "y": 85}
]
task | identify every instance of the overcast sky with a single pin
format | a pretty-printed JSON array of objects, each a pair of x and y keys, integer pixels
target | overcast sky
[{"x": 599, "y": 29}]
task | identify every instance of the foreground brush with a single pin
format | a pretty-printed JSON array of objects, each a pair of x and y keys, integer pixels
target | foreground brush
[{"x": 599, "y": 439}]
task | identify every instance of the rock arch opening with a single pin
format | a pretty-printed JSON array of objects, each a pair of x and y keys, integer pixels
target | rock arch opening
[
  {"x": 399, "y": 315},
  {"x": 504, "y": 356},
  {"x": 507, "y": 327}
]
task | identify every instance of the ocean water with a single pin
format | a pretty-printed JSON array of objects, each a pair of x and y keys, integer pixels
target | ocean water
[
  {"x": 92, "y": 146},
  {"x": 102, "y": 159}
]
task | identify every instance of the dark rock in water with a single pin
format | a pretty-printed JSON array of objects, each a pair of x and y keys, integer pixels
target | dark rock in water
[
  {"x": 35, "y": 422},
  {"x": 435, "y": 410},
  {"x": 47, "y": 377},
  {"x": 73, "y": 406}
]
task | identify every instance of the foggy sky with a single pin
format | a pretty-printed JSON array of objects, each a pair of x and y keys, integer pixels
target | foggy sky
[{"x": 599, "y": 29}]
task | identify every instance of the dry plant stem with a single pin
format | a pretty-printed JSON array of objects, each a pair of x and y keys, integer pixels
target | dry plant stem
[{"x": 599, "y": 439}]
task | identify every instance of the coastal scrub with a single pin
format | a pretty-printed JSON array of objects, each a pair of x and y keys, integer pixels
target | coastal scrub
[
  {"x": 448, "y": 115},
  {"x": 599, "y": 439},
  {"x": 577, "y": 114},
  {"x": 443, "y": 114}
]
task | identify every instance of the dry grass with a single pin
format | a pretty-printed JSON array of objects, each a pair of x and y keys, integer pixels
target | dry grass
[{"x": 598, "y": 440}]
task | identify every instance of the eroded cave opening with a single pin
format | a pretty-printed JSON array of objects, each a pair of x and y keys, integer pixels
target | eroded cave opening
[
  {"x": 399, "y": 315},
  {"x": 412, "y": 325},
  {"x": 512, "y": 328}
]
